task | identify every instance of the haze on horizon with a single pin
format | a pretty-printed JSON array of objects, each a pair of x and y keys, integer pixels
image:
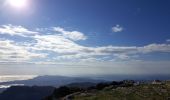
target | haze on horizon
[{"x": 84, "y": 37}]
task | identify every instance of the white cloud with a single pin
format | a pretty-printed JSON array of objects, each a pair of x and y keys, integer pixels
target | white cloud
[
  {"x": 154, "y": 48},
  {"x": 55, "y": 43},
  {"x": 16, "y": 30},
  {"x": 11, "y": 52},
  {"x": 117, "y": 28},
  {"x": 168, "y": 40},
  {"x": 73, "y": 35},
  {"x": 116, "y": 52},
  {"x": 69, "y": 50}
]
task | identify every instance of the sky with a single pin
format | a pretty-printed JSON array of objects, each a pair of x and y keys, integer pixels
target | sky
[{"x": 84, "y": 37}]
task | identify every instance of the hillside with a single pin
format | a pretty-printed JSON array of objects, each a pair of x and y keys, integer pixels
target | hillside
[
  {"x": 116, "y": 91},
  {"x": 147, "y": 92},
  {"x": 26, "y": 93}
]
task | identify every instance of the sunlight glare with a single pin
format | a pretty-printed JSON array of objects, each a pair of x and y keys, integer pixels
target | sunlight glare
[{"x": 18, "y": 3}]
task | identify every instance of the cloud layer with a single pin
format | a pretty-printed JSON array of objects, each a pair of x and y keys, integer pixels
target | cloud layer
[
  {"x": 11, "y": 52},
  {"x": 62, "y": 46},
  {"x": 15, "y": 30}
]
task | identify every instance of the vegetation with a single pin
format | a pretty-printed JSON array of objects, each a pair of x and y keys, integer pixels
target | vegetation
[
  {"x": 123, "y": 90},
  {"x": 26, "y": 92},
  {"x": 141, "y": 92},
  {"x": 62, "y": 92}
]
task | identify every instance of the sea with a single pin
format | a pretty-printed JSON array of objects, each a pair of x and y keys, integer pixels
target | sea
[{"x": 8, "y": 78}]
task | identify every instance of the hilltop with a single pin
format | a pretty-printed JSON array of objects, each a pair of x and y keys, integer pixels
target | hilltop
[{"x": 123, "y": 90}]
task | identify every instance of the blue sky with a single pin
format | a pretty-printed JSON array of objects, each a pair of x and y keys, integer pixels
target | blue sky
[{"x": 70, "y": 37}]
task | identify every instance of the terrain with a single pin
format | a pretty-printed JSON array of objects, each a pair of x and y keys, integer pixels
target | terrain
[
  {"x": 147, "y": 92},
  {"x": 26, "y": 93},
  {"x": 125, "y": 90},
  {"x": 75, "y": 88}
]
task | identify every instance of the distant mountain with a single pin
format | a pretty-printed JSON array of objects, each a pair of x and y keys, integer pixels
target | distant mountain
[
  {"x": 133, "y": 77},
  {"x": 55, "y": 81},
  {"x": 38, "y": 88},
  {"x": 26, "y": 93}
]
